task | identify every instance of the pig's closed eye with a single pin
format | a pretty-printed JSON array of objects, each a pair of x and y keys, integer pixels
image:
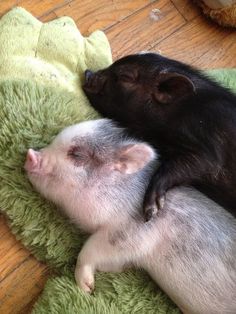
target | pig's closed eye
[
  {"x": 126, "y": 77},
  {"x": 76, "y": 153},
  {"x": 126, "y": 74}
]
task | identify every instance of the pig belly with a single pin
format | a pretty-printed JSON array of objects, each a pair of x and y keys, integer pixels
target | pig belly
[
  {"x": 192, "y": 293},
  {"x": 194, "y": 257}
]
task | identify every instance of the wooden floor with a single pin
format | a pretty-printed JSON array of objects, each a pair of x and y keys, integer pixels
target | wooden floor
[{"x": 174, "y": 28}]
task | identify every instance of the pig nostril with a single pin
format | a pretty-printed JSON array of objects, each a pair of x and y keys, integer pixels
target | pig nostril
[{"x": 88, "y": 75}]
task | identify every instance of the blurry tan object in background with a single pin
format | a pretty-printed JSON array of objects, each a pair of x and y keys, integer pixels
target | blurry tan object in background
[{"x": 221, "y": 11}]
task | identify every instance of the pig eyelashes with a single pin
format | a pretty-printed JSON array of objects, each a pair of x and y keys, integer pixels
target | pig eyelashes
[
  {"x": 127, "y": 75},
  {"x": 77, "y": 154}
]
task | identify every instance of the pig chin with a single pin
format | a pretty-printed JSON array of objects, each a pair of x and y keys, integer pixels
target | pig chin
[
  {"x": 53, "y": 188},
  {"x": 45, "y": 184},
  {"x": 41, "y": 183}
]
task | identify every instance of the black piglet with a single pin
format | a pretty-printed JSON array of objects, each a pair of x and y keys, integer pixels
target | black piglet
[{"x": 188, "y": 117}]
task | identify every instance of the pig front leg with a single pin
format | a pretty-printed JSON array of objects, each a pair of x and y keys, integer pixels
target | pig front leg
[
  {"x": 97, "y": 254},
  {"x": 186, "y": 169}
]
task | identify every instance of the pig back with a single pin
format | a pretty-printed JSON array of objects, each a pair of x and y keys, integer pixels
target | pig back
[{"x": 194, "y": 260}]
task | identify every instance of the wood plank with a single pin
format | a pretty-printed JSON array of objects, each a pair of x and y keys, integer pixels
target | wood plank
[
  {"x": 91, "y": 15},
  {"x": 48, "y": 17},
  {"x": 12, "y": 254},
  {"x": 6, "y": 5},
  {"x": 19, "y": 288},
  {"x": 28, "y": 308},
  {"x": 222, "y": 55},
  {"x": 22, "y": 277},
  {"x": 187, "y": 8},
  {"x": 144, "y": 29},
  {"x": 37, "y": 8},
  {"x": 3, "y": 228},
  {"x": 201, "y": 43},
  {"x": 42, "y": 7}
]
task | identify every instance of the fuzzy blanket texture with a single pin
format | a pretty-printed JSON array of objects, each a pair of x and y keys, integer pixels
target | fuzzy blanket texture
[{"x": 41, "y": 72}]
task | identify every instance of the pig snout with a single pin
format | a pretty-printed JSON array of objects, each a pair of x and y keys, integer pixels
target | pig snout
[
  {"x": 88, "y": 74},
  {"x": 89, "y": 79},
  {"x": 94, "y": 82},
  {"x": 33, "y": 161}
]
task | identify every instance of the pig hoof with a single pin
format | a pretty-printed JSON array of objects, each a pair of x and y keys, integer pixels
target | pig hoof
[
  {"x": 161, "y": 202},
  {"x": 85, "y": 279},
  {"x": 87, "y": 286},
  {"x": 150, "y": 212}
]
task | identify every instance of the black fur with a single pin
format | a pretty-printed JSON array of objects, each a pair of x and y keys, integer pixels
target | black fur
[{"x": 188, "y": 117}]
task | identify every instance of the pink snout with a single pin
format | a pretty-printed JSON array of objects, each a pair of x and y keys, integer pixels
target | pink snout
[{"x": 33, "y": 161}]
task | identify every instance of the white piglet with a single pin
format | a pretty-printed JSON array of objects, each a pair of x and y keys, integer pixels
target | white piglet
[{"x": 98, "y": 176}]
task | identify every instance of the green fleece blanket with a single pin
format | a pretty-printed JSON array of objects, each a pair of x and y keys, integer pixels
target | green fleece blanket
[{"x": 41, "y": 70}]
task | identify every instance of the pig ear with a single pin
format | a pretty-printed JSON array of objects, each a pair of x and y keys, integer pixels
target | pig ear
[
  {"x": 172, "y": 86},
  {"x": 132, "y": 158}
]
